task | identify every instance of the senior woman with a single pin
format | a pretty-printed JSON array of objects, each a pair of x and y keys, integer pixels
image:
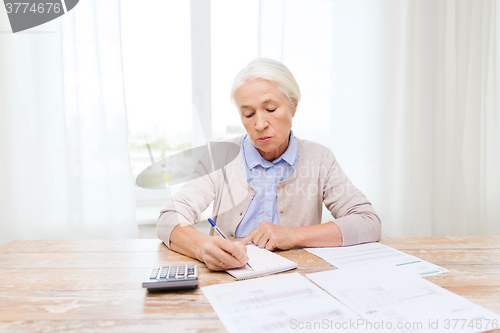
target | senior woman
[{"x": 272, "y": 193}]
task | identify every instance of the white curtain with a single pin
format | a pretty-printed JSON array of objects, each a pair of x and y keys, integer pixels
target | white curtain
[
  {"x": 406, "y": 93},
  {"x": 64, "y": 164},
  {"x": 449, "y": 151}
]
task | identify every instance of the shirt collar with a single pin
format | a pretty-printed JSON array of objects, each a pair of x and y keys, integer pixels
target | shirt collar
[{"x": 253, "y": 157}]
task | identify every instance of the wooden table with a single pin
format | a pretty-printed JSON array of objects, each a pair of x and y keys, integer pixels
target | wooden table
[{"x": 95, "y": 285}]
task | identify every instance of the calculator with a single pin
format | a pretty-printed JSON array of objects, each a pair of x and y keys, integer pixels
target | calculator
[{"x": 172, "y": 277}]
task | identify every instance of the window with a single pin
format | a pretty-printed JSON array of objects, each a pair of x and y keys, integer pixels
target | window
[
  {"x": 234, "y": 43},
  {"x": 158, "y": 79},
  {"x": 157, "y": 75}
]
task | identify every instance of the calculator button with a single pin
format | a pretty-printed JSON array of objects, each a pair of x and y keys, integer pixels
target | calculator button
[
  {"x": 170, "y": 277},
  {"x": 153, "y": 274}
]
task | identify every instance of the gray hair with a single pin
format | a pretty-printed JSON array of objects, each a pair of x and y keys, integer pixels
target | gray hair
[{"x": 272, "y": 71}]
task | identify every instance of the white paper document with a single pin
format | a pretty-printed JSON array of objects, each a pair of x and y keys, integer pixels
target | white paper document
[
  {"x": 390, "y": 300},
  {"x": 279, "y": 303},
  {"x": 375, "y": 254},
  {"x": 263, "y": 262}
]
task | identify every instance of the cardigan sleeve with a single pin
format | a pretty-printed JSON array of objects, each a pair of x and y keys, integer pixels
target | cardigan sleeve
[
  {"x": 188, "y": 203},
  {"x": 353, "y": 213}
]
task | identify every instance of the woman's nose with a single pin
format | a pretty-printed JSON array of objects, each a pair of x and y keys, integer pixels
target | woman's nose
[{"x": 260, "y": 122}]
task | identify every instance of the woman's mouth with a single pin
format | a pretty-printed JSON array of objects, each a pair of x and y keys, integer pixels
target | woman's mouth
[{"x": 265, "y": 138}]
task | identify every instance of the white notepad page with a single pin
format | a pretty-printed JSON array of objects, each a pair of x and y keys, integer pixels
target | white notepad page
[{"x": 263, "y": 262}]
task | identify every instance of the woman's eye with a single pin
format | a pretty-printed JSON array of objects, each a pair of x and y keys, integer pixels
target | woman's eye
[
  {"x": 271, "y": 110},
  {"x": 249, "y": 115}
]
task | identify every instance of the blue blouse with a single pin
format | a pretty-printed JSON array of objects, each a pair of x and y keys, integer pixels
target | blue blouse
[{"x": 263, "y": 176}]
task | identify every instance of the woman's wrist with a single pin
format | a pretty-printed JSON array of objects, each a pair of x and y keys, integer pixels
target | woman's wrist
[
  {"x": 320, "y": 235},
  {"x": 187, "y": 240},
  {"x": 296, "y": 236},
  {"x": 200, "y": 247}
]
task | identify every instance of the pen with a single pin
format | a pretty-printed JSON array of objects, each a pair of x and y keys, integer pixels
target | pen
[{"x": 222, "y": 235}]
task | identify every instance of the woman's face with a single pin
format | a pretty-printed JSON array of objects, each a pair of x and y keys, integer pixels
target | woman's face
[{"x": 267, "y": 115}]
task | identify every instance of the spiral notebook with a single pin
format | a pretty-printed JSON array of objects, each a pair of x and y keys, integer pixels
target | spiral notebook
[{"x": 263, "y": 262}]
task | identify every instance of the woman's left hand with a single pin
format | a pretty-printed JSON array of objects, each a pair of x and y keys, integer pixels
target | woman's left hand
[{"x": 271, "y": 237}]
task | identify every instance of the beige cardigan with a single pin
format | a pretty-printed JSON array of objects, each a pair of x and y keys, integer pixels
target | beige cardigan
[{"x": 317, "y": 179}]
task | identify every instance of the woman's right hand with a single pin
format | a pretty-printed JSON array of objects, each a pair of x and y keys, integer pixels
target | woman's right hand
[
  {"x": 220, "y": 254},
  {"x": 216, "y": 252}
]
